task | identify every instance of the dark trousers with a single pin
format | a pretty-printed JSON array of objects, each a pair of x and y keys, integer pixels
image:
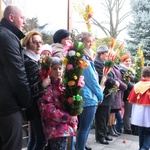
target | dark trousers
[
  {"x": 37, "y": 140},
  {"x": 58, "y": 143},
  {"x": 11, "y": 132},
  {"x": 144, "y": 138},
  {"x": 101, "y": 120},
  {"x": 127, "y": 115}
]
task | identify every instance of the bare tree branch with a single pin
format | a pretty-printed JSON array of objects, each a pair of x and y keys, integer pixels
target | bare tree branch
[
  {"x": 114, "y": 17},
  {"x": 113, "y": 13},
  {"x": 103, "y": 28}
]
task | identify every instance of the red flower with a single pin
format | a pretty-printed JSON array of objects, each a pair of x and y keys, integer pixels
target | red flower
[{"x": 70, "y": 100}]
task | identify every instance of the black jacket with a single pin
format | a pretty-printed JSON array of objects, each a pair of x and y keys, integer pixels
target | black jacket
[
  {"x": 110, "y": 81},
  {"x": 32, "y": 68},
  {"x": 14, "y": 86}
]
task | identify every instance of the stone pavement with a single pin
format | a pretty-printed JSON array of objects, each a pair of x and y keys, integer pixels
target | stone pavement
[{"x": 117, "y": 143}]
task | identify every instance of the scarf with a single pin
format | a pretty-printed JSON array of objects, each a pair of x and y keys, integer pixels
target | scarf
[
  {"x": 89, "y": 54},
  {"x": 31, "y": 54}
]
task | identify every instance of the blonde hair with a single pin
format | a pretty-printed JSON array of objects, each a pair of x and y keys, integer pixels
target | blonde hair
[{"x": 28, "y": 38}]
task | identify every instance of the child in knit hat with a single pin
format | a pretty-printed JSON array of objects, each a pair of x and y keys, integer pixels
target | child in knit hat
[
  {"x": 46, "y": 50},
  {"x": 55, "y": 120}
]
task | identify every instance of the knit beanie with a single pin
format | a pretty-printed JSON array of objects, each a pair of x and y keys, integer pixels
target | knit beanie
[
  {"x": 60, "y": 34},
  {"x": 46, "y": 47},
  {"x": 56, "y": 61}
]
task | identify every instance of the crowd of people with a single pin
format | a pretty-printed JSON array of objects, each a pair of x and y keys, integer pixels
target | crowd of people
[{"x": 23, "y": 91}]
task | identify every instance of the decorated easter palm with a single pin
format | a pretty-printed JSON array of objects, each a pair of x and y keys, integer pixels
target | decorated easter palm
[{"x": 73, "y": 80}]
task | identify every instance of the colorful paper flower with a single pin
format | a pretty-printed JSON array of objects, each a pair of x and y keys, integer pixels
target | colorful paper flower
[
  {"x": 70, "y": 100},
  {"x": 69, "y": 66},
  {"x": 71, "y": 53},
  {"x": 78, "y": 97},
  {"x": 71, "y": 83},
  {"x": 78, "y": 54},
  {"x": 75, "y": 77},
  {"x": 81, "y": 82},
  {"x": 82, "y": 63},
  {"x": 45, "y": 63},
  {"x": 65, "y": 61},
  {"x": 72, "y": 73}
]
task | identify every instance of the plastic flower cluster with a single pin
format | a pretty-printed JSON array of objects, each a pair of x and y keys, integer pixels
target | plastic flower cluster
[
  {"x": 127, "y": 76},
  {"x": 73, "y": 80},
  {"x": 87, "y": 13},
  {"x": 87, "y": 16},
  {"x": 138, "y": 63},
  {"x": 45, "y": 63}
]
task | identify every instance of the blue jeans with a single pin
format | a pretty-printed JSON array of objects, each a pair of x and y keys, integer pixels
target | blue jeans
[
  {"x": 85, "y": 122},
  {"x": 37, "y": 140},
  {"x": 119, "y": 123},
  {"x": 144, "y": 138}
]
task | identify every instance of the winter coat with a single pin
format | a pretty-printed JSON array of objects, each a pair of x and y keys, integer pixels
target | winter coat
[
  {"x": 14, "y": 86},
  {"x": 91, "y": 92},
  {"x": 55, "y": 120},
  {"x": 58, "y": 50},
  {"x": 122, "y": 87},
  {"x": 110, "y": 81},
  {"x": 32, "y": 67}
]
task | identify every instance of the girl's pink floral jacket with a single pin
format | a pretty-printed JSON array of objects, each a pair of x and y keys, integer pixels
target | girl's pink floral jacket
[{"x": 55, "y": 121}]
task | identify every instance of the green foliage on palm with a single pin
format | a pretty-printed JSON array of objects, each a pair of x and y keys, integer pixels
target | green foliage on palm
[{"x": 138, "y": 63}]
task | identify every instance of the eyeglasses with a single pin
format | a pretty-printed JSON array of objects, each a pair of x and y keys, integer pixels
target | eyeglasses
[{"x": 36, "y": 42}]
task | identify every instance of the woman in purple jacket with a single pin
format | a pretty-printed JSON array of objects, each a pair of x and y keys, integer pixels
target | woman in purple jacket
[{"x": 117, "y": 104}]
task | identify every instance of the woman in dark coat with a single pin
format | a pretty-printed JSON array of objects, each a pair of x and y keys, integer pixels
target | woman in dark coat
[
  {"x": 124, "y": 66},
  {"x": 33, "y": 43}
]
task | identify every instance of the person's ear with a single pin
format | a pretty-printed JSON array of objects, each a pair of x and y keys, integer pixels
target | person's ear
[{"x": 11, "y": 18}]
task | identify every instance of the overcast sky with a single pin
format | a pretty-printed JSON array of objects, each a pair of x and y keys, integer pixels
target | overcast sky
[{"x": 54, "y": 12}]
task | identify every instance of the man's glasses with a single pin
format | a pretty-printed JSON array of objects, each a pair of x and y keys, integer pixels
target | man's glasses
[{"x": 37, "y": 43}]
